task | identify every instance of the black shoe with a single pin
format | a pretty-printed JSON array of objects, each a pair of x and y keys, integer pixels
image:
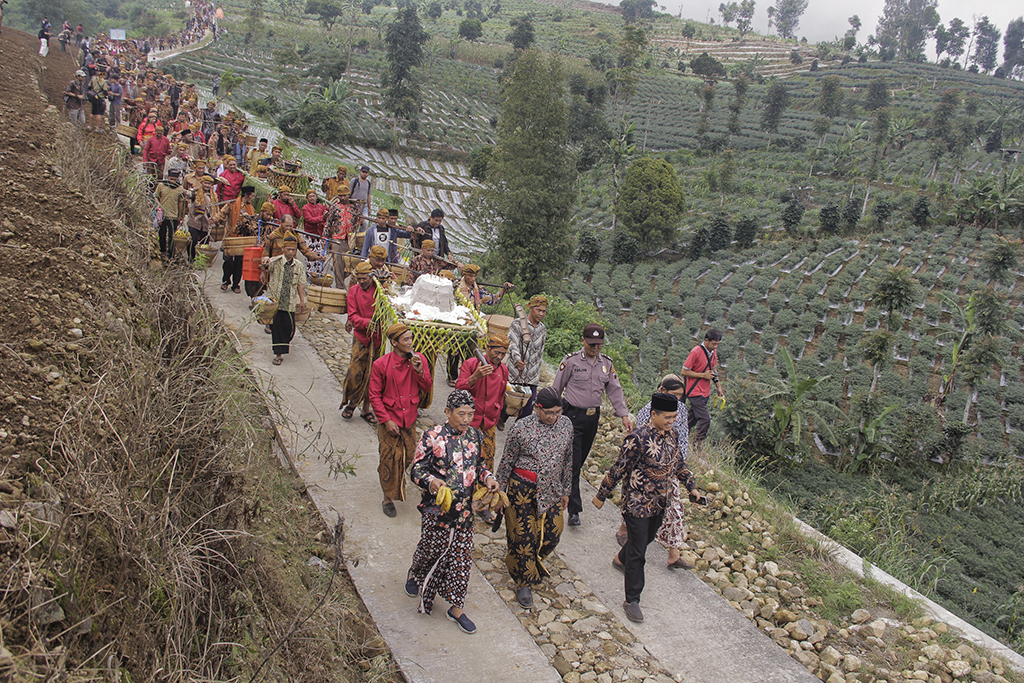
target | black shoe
[
  {"x": 412, "y": 589},
  {"x": 463, "y": 621},
  {"x": 389, "y": 509},
  {"x": 574, "y": 519},
  {"x": 633, "y": 613},
  {"x": 524, "y": 596}
]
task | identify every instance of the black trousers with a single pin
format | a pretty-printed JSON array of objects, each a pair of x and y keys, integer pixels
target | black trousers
[
  {"x": 584, "y": 430},
  {"x": 698, "y": 417},
  {"x": 167, "y": 228},
  {"x": 232, "y": 270},
  {"x": 455, "y": 359},
  {"x": 253, "y": 288},
  {"x": 633, "y": 555},
  {"x": 198, "y": 237},
  {"x": 282, "y": 330}
]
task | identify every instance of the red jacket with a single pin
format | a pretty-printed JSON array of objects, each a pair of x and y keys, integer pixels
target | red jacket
[
  {"x": 281, "y": 209},
  {"x": 146, "y": 131},
  {"x": 488, "y": 391},
  {"x": 157, "y": 149},
  {"x": 234, "y": 186},
  {"x": 360, "y": 311},
  {"x": 313, "y": 217},
  {"x": 395, "y": 388}
]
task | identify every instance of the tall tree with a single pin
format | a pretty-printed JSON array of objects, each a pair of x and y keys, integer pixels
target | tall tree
[
  {"x": 739, "y": 97},
  {"x": 941, "y": 41},
  {"x": 958, "y": 32},
  {"x": 728, "y": 12},
  {"x": 623, "y": 77},
  {"x": 404, "y": 54},
  {"x": 651, "y": 202},
  {"x": 471, "y": 29},
  {"x": 905, "y": 26},
  {"x": 1013, "y": 48},
  {"x": 531, "y": 185},
  {"x": 744, "y": 16},
  {"x": 878, "y": 94},
  {"x": 254, "y": 16},
  {"x": 986, "y": 45},
  {"x": 785, "y": 16},
  {"x": 329, "y": 11},
  {"x": 775, "y": 101},
  {"x": 521, "y": 36}
]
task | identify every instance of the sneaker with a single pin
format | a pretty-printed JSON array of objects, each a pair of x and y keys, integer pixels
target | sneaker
[
  {"x": 574, "y": 519},
  {"x": 524, "y": 596},
  {"x": 412, "y": 589},
  {"x": 463, "y": 621},
  {"x": 633, "y": 613}
]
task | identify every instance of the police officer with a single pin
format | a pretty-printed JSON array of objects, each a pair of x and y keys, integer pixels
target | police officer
[{"x": 585, "y": 376}]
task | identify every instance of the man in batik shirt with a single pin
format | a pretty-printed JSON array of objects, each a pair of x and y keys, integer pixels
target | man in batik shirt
[
  {"x": 650, "y": 457},
  {"x": 526, "y": 352},
  {"x": 426, "y": 263},
  {"x": 447, "y": 455},
  {"x": 536, "y": 471}
]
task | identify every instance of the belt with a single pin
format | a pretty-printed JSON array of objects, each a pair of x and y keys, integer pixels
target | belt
[
  {"x": 526, "y": 474},
  {"x": 588, "y": 411}
]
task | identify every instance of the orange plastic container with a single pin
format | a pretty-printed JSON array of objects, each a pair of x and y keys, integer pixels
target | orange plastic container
[{"x": 251, "y": 263}]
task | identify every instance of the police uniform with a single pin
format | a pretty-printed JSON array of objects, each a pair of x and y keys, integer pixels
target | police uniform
[{"x": 584, "y": 382}]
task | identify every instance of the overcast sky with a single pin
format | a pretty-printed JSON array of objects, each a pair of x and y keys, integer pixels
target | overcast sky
[{"x": 826, "y": 19}]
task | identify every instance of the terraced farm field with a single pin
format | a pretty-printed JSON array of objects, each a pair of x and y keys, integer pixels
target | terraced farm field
[{"x": 813, "y": 298}]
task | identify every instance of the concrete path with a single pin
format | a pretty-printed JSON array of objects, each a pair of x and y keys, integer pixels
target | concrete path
[
  {"x": 378, "y": 550},
  {"x": 689, "y": 628}
]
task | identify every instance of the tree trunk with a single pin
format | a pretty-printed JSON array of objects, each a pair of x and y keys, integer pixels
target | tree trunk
[
  {"x": 967, "y": 408},
  {"x": 864, "y": 209}
]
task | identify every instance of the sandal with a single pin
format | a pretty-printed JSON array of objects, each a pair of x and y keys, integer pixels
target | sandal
[
  {"x": 236, "y": 290},
  {"x": 348, "y": 412},
  {"x": 224, "y": 287},
  {"x": 278, "y": 360},
  {"x": 451, "y": 383},
  {"x": 369, "y": 417}
]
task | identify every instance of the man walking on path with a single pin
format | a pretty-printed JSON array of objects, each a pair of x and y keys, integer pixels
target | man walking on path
[
  {"x": 526, "y": 352},
  {"x": 648, "y": 458},
  {"x": 448, "y": 456},
  {"x": 699, "y": 371},
  {"x": 486, "y": 382},
  {"x": 361, "y": 301},
  {"x": 536, "y": 472},
  {"x": 74, "y": 95},
  {"x": 585, "y": 376},
  {"x": 287, "y": 287},
  {"x": 396, "y": 380}
]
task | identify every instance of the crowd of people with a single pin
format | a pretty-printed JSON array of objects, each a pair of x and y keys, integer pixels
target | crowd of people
[{"x": 200, "y": 162}]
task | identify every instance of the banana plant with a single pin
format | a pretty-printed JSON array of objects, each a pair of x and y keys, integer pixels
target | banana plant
[
  {"x": 794, "y": 410},
  {"x": 868, "y": 439}
]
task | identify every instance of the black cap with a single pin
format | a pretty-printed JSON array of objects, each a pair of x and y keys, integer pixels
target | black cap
[
  {"x": 365, "y": 168},
  {"x": 593, "y": 332},
  {"x": 393, "y": 212},
  {"x": 666, "y": 403}
]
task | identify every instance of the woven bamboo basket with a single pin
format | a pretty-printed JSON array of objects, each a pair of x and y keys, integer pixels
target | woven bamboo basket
[
  {"x": 297, "y": 182},
  {"x": 302, "y": 313},
  {"x": 516, "y": 397},
  {"x": 498, "y": 324},
  {"x": 180, "y": 241},
  {"x": 209, "y": 251},
  {"x": 327, "y": 297},
  {"x": 321, "y": 279},
  {"x": 235, "y": 246}
]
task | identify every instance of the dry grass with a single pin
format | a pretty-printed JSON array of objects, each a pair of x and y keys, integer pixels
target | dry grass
[{"x": 166, "y": 530}]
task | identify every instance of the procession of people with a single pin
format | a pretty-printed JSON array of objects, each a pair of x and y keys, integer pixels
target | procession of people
[{"x": 209, "y": 175}]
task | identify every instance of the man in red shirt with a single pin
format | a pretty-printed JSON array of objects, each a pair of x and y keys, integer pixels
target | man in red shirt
[
  {"x": 699, "y": 371},
  {"x": 229, "y": 190},
  {"x": 284, "y": 205},
  {"x": 156, "y": 150},
  {"x": 361, "y": 302},
  {"x": 486, "y": 382},
  {"x": 396, "y": 380}
]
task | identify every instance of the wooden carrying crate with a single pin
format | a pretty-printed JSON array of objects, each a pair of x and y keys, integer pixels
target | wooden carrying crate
[
  {"x": 235, "y": 246},
  {"x": 327, "y": 299}
]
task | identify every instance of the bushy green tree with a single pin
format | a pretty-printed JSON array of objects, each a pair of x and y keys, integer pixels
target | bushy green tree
[
  {"x": 521, "y": 36},
  {"x": 328, "y": 11},
  {"x": 531, "y": 184},
  {"x": 792, "y": 214},
  {"x": 636, "y": 9},
  {"x": 651, "y": 202},
  {"x": 878, "y": 94},
  {"x": 698, "y": 242},
  {"x": 746, "y": 232},
  {"x": 588, "y": 248},
  {"x": 785, "y": 16},
  {"x": 1001, "y": 259},
  {"x": 471, "y": 29},
  {"x": 625, "y": 247},
  {"x": 895, "y": 290},
  {"x": 830, "y": 217},
  {"x": 776, "y": 100},
  {"x": 920, "y": 212},
  {"x": 719, "y": 232},
  {"x": 707, "y": 66},
  {"x": 830, "y": 99},
  {"x": 851, "y": 212}
]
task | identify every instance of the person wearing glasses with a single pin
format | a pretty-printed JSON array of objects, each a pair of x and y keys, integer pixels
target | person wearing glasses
[
  {"x": 585, "y": 376},
  {"x": 535, "y": 471},
  {"x": 485, "y": 380}
]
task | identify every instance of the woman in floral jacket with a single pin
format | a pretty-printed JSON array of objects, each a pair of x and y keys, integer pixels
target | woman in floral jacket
[{"x": 447, "y": 455}]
